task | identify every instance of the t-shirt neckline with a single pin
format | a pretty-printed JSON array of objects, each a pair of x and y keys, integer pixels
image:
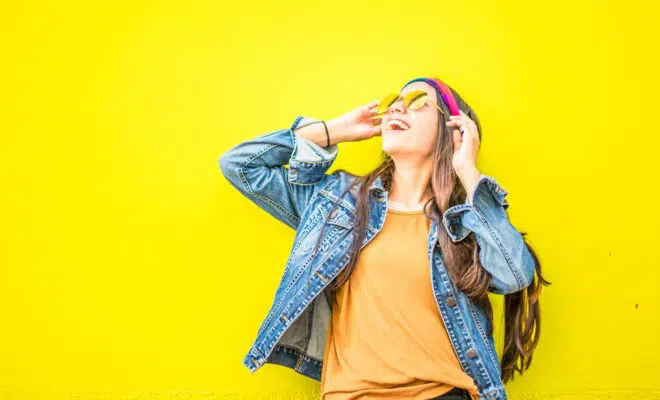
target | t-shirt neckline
[{"x": 395, "y": 211}]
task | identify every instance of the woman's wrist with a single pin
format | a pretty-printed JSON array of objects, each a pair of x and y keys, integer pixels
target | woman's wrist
[
  {"x": 337, "y": 131},
  {"x": 315, "y": 132},
  {"x": 469, "y": 177}
]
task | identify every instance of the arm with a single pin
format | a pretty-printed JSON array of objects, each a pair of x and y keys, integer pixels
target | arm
[
  {"x": 256, "y": 168},
  {"x": 502, "y": 250}
]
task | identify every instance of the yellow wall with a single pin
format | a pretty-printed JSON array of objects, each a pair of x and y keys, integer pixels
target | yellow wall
[{"x": 130, "y": 268}]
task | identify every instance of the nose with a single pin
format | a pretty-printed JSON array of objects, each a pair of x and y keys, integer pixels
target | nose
[{"x": 398, "y": 106}]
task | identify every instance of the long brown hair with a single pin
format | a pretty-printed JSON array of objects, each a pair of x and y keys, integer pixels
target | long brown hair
[{"x": 522, "y": 309}]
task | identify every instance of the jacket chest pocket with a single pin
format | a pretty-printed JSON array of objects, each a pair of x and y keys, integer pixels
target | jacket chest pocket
[
  {"x": 340, "y": 218},
  {"x": 338, "y": 224},
  {"x": 326, "y": 226}
]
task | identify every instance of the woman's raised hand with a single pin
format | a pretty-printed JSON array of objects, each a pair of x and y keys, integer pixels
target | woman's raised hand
[{"x": 356, "y": 124}]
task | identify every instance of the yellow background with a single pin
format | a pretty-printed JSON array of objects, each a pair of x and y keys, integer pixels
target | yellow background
[{"x": 131, "y": 269}]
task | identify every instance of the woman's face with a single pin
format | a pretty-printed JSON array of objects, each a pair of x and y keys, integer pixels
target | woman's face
[{"x": 420, "y": 136}]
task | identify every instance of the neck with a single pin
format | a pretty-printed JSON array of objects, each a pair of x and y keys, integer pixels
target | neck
[{"x": 410, "y": 188}]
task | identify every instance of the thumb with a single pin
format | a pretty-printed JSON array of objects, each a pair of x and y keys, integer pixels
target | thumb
[
  {"x": 457, "y": 139},
  {"x": 372, "y": 104},
  {"x": 368, "y": 108}
]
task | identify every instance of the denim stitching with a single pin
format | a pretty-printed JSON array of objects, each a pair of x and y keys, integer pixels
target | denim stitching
[
  {"x": 309, "y": 163},
  {"x": 280, "y": 330},
  {"x": 462, "y": 325},
  {"x": 331, "y": 196},
  {"x": 500, "y": 246},
  {"x": 260, "y": 196},
  {"x": 307, "y": 261},
  {"x": 481, "y": 330}
]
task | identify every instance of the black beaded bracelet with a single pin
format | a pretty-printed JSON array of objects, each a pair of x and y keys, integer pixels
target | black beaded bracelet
[{"x": 327, "y": 134}]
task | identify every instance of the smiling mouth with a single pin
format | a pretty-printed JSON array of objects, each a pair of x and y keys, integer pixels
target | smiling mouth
[{"x": 397, "y": 125}]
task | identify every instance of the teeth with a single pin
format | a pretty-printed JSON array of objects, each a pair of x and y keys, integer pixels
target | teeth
[{"x": 398, "y": 123}]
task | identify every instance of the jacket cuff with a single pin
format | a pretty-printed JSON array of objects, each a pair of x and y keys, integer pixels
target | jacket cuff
[
  {"x": 488, "y": 194},
  {"x": 309, "y": 161}
]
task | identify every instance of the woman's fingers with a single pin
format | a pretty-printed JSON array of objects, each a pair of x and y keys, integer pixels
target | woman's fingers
[
  {"x": 456, "y": 123},
  {"x": 463, "y": 117},
  {"x": 370, "y": 108},
  {"x": 375, "y": 117},
  {"x": 457, "y": 139}
]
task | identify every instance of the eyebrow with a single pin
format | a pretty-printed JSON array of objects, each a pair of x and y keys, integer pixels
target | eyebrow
[{"x": 427, "y": 93}]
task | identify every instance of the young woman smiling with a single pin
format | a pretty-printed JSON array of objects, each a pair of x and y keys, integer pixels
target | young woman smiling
[{"x": 404, "y": 255}]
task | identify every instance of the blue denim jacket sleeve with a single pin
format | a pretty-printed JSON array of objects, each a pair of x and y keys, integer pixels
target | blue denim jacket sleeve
[
  {"x": 502, "y": 251},
  {"x": 256, "y": 168}
]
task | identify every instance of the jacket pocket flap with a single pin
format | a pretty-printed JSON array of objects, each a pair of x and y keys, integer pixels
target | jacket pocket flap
[{"x": 341, "y": 218}]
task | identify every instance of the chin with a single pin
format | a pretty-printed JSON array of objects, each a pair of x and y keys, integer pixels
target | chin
[
  {"x": 401, "y": 143},
  {"x": 391, "y": 143}
]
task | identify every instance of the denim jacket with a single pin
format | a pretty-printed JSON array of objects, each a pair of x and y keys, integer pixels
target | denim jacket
[{"x": 293, "y": 333}]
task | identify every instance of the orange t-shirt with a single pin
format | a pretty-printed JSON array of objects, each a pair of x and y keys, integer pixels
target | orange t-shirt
[{"x": 386, "y": 339}]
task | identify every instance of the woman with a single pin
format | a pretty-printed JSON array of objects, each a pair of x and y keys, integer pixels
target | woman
[{"x": 410, "y": 317}]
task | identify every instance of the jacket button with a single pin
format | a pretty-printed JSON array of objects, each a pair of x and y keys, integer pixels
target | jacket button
[
  {"x": 451, "y": 301},
  {"x": 333, "y": 212},
  {"x": 451, "y": 228},
  {"x": 471, "y": 353}
]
